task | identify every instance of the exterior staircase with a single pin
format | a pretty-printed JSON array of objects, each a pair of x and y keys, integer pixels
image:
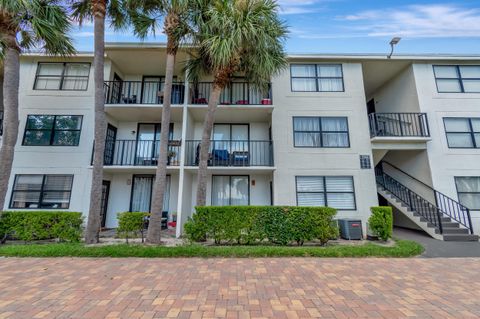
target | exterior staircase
[{"x": 446, "y": 219}]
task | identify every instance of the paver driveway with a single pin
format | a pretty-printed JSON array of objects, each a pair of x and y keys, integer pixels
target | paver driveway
[{"x": 239, "y": 288}]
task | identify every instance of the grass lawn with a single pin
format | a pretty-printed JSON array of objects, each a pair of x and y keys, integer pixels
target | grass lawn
[{"x": 402, "y": 248}]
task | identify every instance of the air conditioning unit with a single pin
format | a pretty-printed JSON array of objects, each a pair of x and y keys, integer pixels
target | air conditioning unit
[{"x": 350, "y": 229}]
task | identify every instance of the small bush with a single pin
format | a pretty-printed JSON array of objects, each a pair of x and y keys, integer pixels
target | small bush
[
  {"x": 130, "y": 224},
  {"x": 39, "y": 225},
  {"x": 381, "y": 222},
  {"x": 250, "y": 224}
]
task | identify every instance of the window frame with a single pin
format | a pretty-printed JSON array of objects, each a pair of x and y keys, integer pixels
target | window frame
[
  {"x": 321, "y": 132},
  {"x": 61, "y": 77},
  {"x": 42, "y": 191},
  {"x": 459, "y": 78},
  {"x": 471, "y": 133},
  {"x": 326, "y": 192},
  {"x": 53, "y": 130},
  {"x": 458, "y": 193},
  {"x": 230, "y": 184},
  {"x": 317, "y": 77}
]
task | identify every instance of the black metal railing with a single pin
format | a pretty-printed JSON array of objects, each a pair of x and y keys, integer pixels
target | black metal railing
[
  {"x": 444, "y": 205},
  {"x": 140, "y": 153},
  {"x": 231, "y": 153},
  {"x": 141, "y": 92},
  {"x": 1, "y": 123},
  {"x": 399, "y": 125},
  {"x": 237, "y": 93}
]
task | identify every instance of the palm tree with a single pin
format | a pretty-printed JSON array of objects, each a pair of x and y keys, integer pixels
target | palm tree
[
  {"x": 242, "y": 37},
  {"x": 25, "y": 24},
  {"x": 97, "y": 10},
  {"x": 144, "y": 20}
]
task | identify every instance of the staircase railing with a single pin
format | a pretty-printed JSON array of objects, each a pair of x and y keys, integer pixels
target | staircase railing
[
  {"x": 443, "y": 206},
  {"x": 413, "y": 201}
]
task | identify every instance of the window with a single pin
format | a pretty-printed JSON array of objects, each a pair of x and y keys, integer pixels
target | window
[
  {"x": 62, "y": 76},
  {"x": 462, "y": 132},
  {"x": 55, "y": 130},
  {"x": 316, "y": 77},
  {"x": 230, "y": 190},
  {"x": 320, "y": 132},
  {"x": 457, "y": 78},
  {"x": 468, "y": 189},
  {"x": 41, "y": 191},
  {"x": 141, "y": 197},
  {"x": 333, "y": 191}
]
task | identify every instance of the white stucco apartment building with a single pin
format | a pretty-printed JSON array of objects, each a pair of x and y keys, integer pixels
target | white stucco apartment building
[{"x": 347, "y": 131}]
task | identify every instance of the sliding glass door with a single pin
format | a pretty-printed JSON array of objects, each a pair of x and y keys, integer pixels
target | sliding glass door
[
  {"x": 148, "y": 143},
  {"x": 141, "y": 200},
  {"x": 230, "y": 190}
]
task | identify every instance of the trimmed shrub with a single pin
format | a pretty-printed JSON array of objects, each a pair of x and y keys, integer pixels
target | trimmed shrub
[
  {"x": 130, "y": 224},
  {"x": 39, "y": 225},
  {"x": 249, "y": 224},
  {"x": 381, "y": 222}
]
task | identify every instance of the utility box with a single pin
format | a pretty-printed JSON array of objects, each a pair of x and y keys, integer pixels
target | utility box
[{"x": 350, "y": 229}]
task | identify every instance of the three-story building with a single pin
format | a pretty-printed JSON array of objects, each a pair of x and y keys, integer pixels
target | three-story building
[{"x": 345, "y": 131}]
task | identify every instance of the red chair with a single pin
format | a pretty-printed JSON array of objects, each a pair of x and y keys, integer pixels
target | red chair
[
  {"x": 266, "y": 102},
  {"x": 242, "y": 102}
]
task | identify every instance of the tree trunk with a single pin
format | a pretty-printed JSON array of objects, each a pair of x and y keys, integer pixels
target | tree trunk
[
  {"x": 10, "y": 115},
  {"x": 155, "y": 224},
  {"x": 205, "y": 144},
  {"x": 94, "y": 214}
]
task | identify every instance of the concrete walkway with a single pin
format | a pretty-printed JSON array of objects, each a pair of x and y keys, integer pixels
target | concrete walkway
[
  {"x": 239, "y": 288},
  {"x": 439, "y": 248}
]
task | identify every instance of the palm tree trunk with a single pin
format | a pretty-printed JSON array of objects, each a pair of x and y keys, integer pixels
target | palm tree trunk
[
  {"x": 155, "y": 224},
  {"x": 205, "y": 144},
  {"x": 10, "y": 116},
  {"x": 94, "y": 214}
]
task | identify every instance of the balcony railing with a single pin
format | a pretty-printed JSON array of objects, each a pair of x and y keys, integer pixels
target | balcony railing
[
  {"x": 139, "y": 153},
  {"x": 1, "y": 122},
  {"x": 231, "y": 153},
  {"x": 237, "y": 93},
  {"x": 141, "y": 92},
  {"x": 399, "y": 125}
]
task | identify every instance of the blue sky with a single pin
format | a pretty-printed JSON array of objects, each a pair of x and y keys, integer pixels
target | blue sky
[{"x": 362, "y": 26}]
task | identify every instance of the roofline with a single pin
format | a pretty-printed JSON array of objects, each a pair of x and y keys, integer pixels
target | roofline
[
  {"x": 291, "y": 56},
  {"x": 379, "y": 56}
]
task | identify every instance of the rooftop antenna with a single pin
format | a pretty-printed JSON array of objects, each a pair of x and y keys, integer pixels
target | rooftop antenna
[{"x": 393, "y": 43}]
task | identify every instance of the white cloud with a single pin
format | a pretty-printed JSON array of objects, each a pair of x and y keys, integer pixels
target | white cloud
[
  {"x": 299, "y": 6},
  {"x": 417, "y": 21}
]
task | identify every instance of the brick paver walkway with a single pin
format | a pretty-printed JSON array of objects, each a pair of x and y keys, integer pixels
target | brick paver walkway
[{"x": 239, "y": 288}]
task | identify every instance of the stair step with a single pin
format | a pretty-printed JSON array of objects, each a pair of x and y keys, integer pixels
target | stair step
[
  {"x": 460, "y": 237},
  {"x": 448, "y": 231},
  {"x": 446, "y": 225}
]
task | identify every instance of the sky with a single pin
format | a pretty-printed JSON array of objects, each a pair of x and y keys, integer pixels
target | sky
[{"x": 360, "y": 26}]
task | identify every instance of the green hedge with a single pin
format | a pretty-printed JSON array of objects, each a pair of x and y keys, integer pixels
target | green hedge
[
  {"x": 38, "y": 225},
  {"x": 250, "y": 224},
  {"x": 130, "y": 224},
  {"x": 381, "y": 222}
]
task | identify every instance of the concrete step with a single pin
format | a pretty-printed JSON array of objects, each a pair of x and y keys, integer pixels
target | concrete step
[
  {"x": 446, "y": 225},
  {"x": 448, "y": 231},
  {"x": 460, "y": 237}
]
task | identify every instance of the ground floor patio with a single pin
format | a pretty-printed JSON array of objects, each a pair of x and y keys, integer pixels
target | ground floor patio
[{"x": 239, "y": 288}]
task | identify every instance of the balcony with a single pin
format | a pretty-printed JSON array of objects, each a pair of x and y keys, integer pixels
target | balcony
[
  {"x": 141, "y": 92},
  {"x": 399, "y": 125},
  {"x": 232, "y": 153},
  {"x": 151, "y": 92},
  {"x": 139, "y": 153},
  {"x": 238, "y": 93},
  {"x": 398, "y": 131}
]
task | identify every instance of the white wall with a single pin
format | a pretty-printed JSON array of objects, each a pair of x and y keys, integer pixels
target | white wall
[
  {"x": 291, "y": 161},
  {"x": 446, "y": 163},
  {"x": 398, "y": 95},
  {"x": 55, "y": 159}
]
